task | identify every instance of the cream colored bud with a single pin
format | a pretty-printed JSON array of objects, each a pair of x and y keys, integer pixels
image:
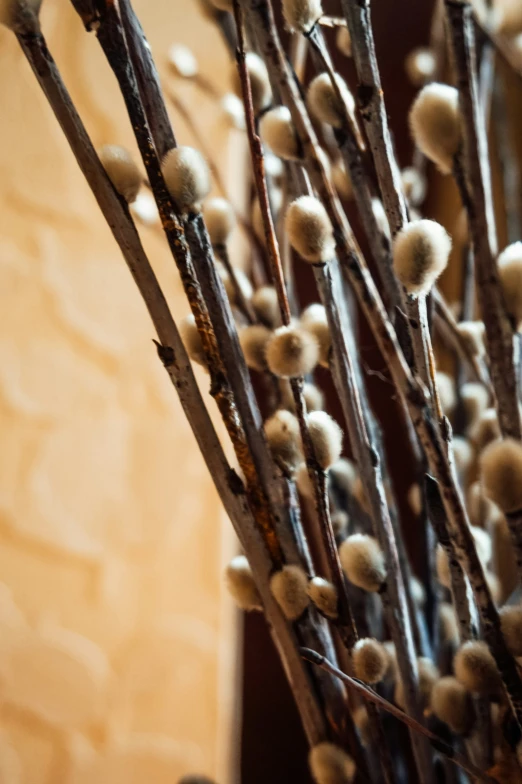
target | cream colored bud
[
  {"x": 510, "y": 272},
  {"x": 331, "y": 765},
  {"x": 343, "y": 41},
  {"x": 343, "y": 474},
  {"x": 321, "y": 332},
  {"x": 241, "y": 585},
  {"x": 324, "y": 595},
  {"x": 277, "y": 130},
  {"x": 417, "y": 592},
  {"x": 121, "y": 170},
  {"x": 309, "y": 229},
  {"x": 475, "y": 399},
  {"x": 447, "y": 392},
  {"x": 451, "y": 703},
  {"x": 340, "y": 522},
  {"x": 323, "y": 101},
  {"x": 341, "y": 180},
  {"x": 219, "y": 220},
  {"x": 233, "y": 111},
  {"x": 414, "y": 185},
  {"x": 475, "y": 668},
  {"x": 435, "y": 124},
  {"x": 266, "y": 306},
  {"x": 473, "y": 334},
  {"x": 421, "y": 65},
  {"x": 511, "y": 621},
  {"x": 192, "y": 340},
  {"x": 449, "y": 630},
  {"x": 420, "y": 254},
  {"x": 463, "y": 455},
  {"x": 187, "y": 177},
  {"x": 313, "y": 397},
  {"x": 428, "y": 676},
  {"x": 363, "y": 562},
  {"x": 301, "y": 15},
  {"x": 370, "y": 660},
  {"x": 501, "y": 472},
  {"x": 254, "y": 340},
  {"x": 290, "y": 589},
  {"x": 259, "y": 82},
  {"x": 292, "y": 352},
  {"x": 485, "y": 429},
  {"x": 481, "y": 510},
  {"x": 326, "y": 437},
  {"x": 284, "y": 440},
  {"x": 182, "y": 60}
]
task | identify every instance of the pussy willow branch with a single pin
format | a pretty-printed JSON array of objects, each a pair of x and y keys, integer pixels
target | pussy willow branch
[
  {"x": 368, "y": 695},
  {"x": 177, "y": 364},
  {"x": 499, "y": 332},
  {"x": 371, "y": 304}
]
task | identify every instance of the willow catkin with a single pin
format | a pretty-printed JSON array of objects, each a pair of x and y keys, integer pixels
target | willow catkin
[
  {"x": 187, "y": 177},
  {"x": 121, "y": 170},
  {"x": 266, "y": 306},
  {"x": 370, "y": 660},
  {"x": 182, "y": 61},
  {"x": 452, "y": 704},
  {"x": 326, "y": 437},
  {"x": 475, "y": 400},
  {"x": 324, "y": 103},
  {"x": 435, "y": 124},
  {"x": 253, "y": 340},
  {"x": 309, "y": 229},
  {"x": 511, "y": 621},
  {"x": 192, "y": 340},
  {"x": 301, "y": 15},
  {"x": 259, "y": 81},
  {"x": 501, "y": 473},
  {"x": 475, "y": 668},
  {"x": 485, "y": 429},
  {"x": 420, "y": 66},
  {"x": 473, "y": 335},
  {"x": 291, "y": 352},
  {"x": 241, "y": 585},
  {"x": 220, "y": 220},
  {"x": 277, "y": 130},
  {"x": 324, "y": 595},
  {"x": 290, "y": 589},
  {"x": 420, "y": 254},
  {"x": 284, "y": 440},
  {"x": 331, "y": 765},
  {"x": 428, "y": 676},
  {"x": 363, "y": 562}
]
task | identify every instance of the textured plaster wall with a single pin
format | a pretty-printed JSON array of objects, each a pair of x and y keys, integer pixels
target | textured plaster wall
[{"x": 116, "y": 642}]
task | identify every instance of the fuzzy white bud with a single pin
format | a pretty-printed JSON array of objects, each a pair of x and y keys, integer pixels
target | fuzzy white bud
[
  {"x": 414, "y": 185},
  {"x": 192, "y": 340},
  {"x": 292, "y": 352},
  {"x": 510, "y": 271},
  {"x": 473, "y": 334},
  {"x": 326, "y": 437},
  {"x": 420, "y": 66},
  {"x": 452, "y": 704},
  {"x": 259, "y": 82},
  {"x": 511, "y": 622},
  {"x": 219, "y": 220},
  {"x": 313, "y": 397},
  {"x": 501, "y": 471},
  {"x": 301, "y": 15},
  {"x": 234, "y": 111},
  {"x": 182, "y": 60},
  {"x": 417, "y": 591},
  {"x": 463, "y": 455},
  {"x": 121, "y": 170},
  {"x": 145, "y": 210},
  {"x": 323, "y": 100},
  {"x": 290, "y": 589},
  {"x": 447, "y": 392},
  {"x": 324, "y": 595},
  {"x": 449, "y": 630},
  {"x": 341, "y": 180},
  {"x": 254, "y": 340},
  {"x": 314, "y": 320},
  {"x": 420, "y": 254},
  {"x": 435, "y": 124},
  {"x": 284, "y": 440},
  {"x": 475, "y": 399},
  {"x": 485, "y": 429},
  {"x": 309, "y": 229},
  {"x": 428, "y": 676},
  {"x": 187, "y": 177},
  {"x": 475, "y": 668},
  {"x": 340, "y": 522},
  {"x": 266, "y": 306},
  {"x": 363, "y": 562},
  {"x": 331, "y": 765},
  {"x": 241, "y": 585},
  {"x": 370, "y": 660},
  {"x": 343, "y": 474},
  {"x": 277, "y": 130}
]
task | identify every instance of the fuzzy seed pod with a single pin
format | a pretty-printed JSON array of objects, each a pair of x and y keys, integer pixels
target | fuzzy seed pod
[
  {"x": 182, "y": 60},
  {"x": 313, "y": 397},
  {"x": 501, "y": 471},
  {"x": 254, "y": 340},
  {"x": 277, "y": 130},
  {"x": 331, "y": 765},
  {"x": 442, "y": 566},
  {"x": 313, "y": 313},
  {"x": 12, "y": 12},
  {"x": 241, "y": 585},
  {"x": 301, "y": 15},
  {"x": 234, "y": 111},
  {"x": 475, "y": 668},
  {"x": 452, "y": 704},
  {"x": 145, "y": 210},
  {"x": 420, "y": 66},
  {"x": 324, "y": 103},
  {"x": 481, "y": 510},
  {"x": 428, "y": 676},
  {"x": 482, "y": 544},
  {"x": 379, "y": 213},
  {"x": 510, "y": 271},
  {"x": 341, "y": 180},
  {"x": 463, "y": 455},
  {"x": 494, "y": 585},
  {"x": 192, "y": 340},
  {"x": 266, "y": 306},
  {"x": 121, "y": 170},
  {"x": 475, "y": 399},
  {"x": 485, "y": 430},
  {"x": 309, "y": 229},
  {"x": 219, "y": 219},
  {"x": 370, "y": 660},
  {"x": 321, "y": 332},
  {"x": 324, "y": 595},
  {"x": 326, "y": 437},
  {"x": 363, "y": 562},
  {"x": 343, "y": 41},
  {"x": 284, "y": 439},
  {"x": 446, "y": 390},
  {"x": 435, "y": 124},
  {"x": 259, "y": 82},
  {"x": 414, "y": 185},
  {"x": 187, "y": 177},
  {"x": 417, "y": 592},
  {"x": 340, "y": 521},
  {"x": 473, "y": 334},
  {"x": 343, "y": 474},
  {"x": 420, "y": 254},
  {"x": 290, "y": 589},
  {"x": 511, "y": 620},
  {"x": 449, "y": 630},
  {"x": 292, "y": 352}
]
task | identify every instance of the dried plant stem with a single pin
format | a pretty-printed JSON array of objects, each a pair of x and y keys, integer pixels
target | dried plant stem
[
  {"x": 353, "y": 263},
  {"x": 479, "y": 207},
  {"x": 174, "y": 357},
  {"x": 368, "y": 695}
]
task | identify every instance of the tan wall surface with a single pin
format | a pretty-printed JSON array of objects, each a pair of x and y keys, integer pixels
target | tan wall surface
[{"x": 116, "y": 662}]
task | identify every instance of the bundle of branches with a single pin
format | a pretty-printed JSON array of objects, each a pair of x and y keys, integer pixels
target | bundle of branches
[{"x": 367, "y": 646}]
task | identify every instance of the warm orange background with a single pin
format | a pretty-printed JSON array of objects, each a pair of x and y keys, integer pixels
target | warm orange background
[{"x": 116, "y": 643}]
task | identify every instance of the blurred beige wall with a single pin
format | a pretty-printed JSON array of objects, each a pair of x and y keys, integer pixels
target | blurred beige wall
[{"x": 116, "y": 642}]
